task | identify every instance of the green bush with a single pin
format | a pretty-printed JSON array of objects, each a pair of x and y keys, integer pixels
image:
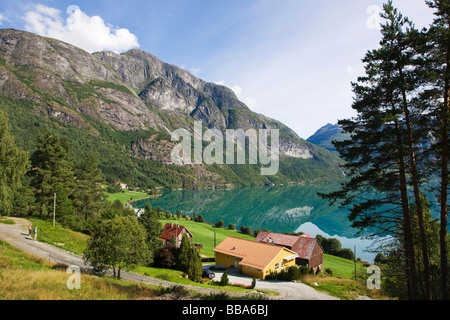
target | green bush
[{"x": 224, "y": 279}]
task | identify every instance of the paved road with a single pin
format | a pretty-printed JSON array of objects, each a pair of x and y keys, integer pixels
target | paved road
[
  {"x": 287, "y": 290},
  {"x": 17, "y": 235}
]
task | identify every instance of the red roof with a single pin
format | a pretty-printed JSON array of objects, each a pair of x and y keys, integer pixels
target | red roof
[
  {"x": 171, "y": 229},
  {"x": 303, "y": 245},
  {"x": 276, "y": 238},
  {"x": 306, "y": 235}
]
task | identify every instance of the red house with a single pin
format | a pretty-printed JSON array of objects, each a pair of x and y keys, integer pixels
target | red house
[
  {"x": 174, "y": 232},
  {"x": 309, "y": 250}
]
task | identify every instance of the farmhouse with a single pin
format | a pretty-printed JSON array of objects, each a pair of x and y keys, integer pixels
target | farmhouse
[
  {"x": 309, "y": 250},
  {"x": 174, "y": 232},
  {"x": 253, "y": 258}
]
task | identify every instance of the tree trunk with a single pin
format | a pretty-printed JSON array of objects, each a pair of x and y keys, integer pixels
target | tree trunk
[
  {"x": 86, "y": 208},
  {"x": 444, "y": 184},
  {"x": 411, "y": 274},
  {"x": 417, "y": 200},
  {"x": 41, "y": 209}
]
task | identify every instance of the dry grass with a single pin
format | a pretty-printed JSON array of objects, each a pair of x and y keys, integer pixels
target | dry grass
[
  {"x": 344, "y": 289},
  {"x": 24, "y": 277},
  {"x": 52, "y": 285}
]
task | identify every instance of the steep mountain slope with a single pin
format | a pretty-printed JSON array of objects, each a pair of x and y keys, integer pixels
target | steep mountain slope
[
  {"x": 326, "y": 135},
  {"x": 126, "y": 106}
]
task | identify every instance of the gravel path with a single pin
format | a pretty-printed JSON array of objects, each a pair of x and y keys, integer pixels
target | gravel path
[{"x": 17, "y": 236}]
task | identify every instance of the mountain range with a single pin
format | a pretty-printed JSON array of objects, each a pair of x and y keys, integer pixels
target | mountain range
[
  {"x": 124, "y": 108},
  {"x": 326, "y": 135}
]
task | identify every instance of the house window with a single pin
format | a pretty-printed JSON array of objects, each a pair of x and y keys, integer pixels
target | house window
[
  {"x": 282, "y": 265},
  {"x": 277, "y": 266}
]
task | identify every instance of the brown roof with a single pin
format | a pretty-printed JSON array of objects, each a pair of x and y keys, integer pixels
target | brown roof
[
  {"x": 170, "y": 230},
  {"x": 253, "y": 254},
  {"x": 276, "y": 238},
  {"x": 302, "y": 245}
]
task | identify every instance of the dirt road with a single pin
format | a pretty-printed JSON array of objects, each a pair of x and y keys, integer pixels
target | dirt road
[{"x": 17, "y": 236}]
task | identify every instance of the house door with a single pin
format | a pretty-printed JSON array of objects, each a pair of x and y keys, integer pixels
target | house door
[{"x": 235, "y": 263}]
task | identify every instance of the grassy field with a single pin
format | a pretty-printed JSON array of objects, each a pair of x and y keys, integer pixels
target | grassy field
[
  {"x": 75, "y": 242},
  {"x": 344, "y": 289},
  {"x": 127, "y": 196},
  {"x": 341, "y": 267},
  {"x": 24, "y": 277},
  {"x": 204, "y": 234},
  {"x": 66, "y": 239}
]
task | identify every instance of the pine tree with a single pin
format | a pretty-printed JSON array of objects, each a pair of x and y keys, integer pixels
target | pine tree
[
  {"x": 195, "y": 267},
  {"x": 380, "y": 154},
  {"x": 435, "y": 45},
  {"x": 13, "y": 165},
  {"x": 51, "y": 170},
  {"x": 89, "y": 193},
  {"x": 399, "y": 53},
  {"x": 183, "y": 254},
  {"x": 152, "y": 226}
]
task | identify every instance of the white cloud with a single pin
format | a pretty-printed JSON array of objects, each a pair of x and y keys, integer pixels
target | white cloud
[
  {"x": 2, "y": 18},
  {"x": 89, "y": 33},
  {"x": 195, "y": 71}
]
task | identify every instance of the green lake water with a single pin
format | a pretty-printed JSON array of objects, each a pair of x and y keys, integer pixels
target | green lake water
[{"x": 276, "y": 208}]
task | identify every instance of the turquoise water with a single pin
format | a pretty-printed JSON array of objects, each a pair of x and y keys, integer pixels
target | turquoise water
[{"x": 277, "y": 208}]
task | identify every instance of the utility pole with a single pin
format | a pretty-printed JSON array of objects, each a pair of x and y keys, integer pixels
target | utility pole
[
  {"x": 54, "y": 208},
  {"x": 355, "y": 261}
]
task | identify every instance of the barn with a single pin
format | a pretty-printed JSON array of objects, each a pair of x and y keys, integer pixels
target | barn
[{"x": 308, "y": 249}]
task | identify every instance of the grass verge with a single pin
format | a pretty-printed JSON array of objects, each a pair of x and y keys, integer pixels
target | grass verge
[
  {"x": 344, "y": 289},
  {"x": 59, "y": 236}
]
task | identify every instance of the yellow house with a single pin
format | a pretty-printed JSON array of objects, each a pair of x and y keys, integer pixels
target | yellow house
[{"x": 253, "y": 258}]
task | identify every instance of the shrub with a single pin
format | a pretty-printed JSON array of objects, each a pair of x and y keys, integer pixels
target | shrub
[
  {"x": 294, "y": 273},
  {"x": 346, "y": 254},
  {"x": 253, "y": 282},
  {"x": 224, "y": 279},
  {"x": 246, "y": 230},
  {"x": 219, "y": 224}
]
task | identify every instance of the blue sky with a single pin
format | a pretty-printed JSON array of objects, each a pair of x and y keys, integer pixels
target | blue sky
[{"x": 291, "y": 60}]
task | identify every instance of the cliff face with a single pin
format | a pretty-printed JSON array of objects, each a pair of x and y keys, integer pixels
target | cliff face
[{"x": 128, "y": 92}]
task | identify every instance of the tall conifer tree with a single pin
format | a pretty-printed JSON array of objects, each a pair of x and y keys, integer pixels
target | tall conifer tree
[
  {"x": 51, "y": 170},
  {"x": 13, "y": 165}
]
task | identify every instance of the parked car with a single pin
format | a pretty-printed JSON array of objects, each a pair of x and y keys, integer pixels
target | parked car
[{"x": 208, "y": 274}]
